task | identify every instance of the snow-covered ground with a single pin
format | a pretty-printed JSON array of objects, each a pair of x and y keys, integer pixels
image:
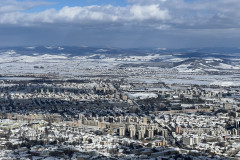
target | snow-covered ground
[
  {"x": 142, "y": 95},
  {"x": 64, "y": 65}
]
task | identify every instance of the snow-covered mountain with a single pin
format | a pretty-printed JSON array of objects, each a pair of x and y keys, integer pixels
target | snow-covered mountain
[{"x": 160, "y": 64}]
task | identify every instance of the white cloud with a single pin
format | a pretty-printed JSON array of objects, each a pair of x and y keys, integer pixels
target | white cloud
[
  {"x": 141, "y": 22},
  {"x": 148, "y": 12},
  {"x": 89, "y": 14},
  {"x": 199, "y": 13},
  {"x": 152, "y": 13},
  {"x": 7, "y": 6}
]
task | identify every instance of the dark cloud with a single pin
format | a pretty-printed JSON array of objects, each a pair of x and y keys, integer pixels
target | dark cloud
[{"x": 151, "y": 23}]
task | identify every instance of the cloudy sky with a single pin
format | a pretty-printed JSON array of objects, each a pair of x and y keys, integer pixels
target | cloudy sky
[{"x": 120, "y": 23}]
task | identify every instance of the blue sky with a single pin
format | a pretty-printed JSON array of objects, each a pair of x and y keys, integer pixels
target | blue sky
[
  {"x": 58, "y": 4},
  {"x": 120, "y": 23}
]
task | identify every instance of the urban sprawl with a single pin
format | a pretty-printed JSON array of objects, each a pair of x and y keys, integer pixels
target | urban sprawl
[{"x": 114, "y": 119}]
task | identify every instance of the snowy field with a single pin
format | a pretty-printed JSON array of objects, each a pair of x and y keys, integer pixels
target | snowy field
[{"x": 146, "y": 68}]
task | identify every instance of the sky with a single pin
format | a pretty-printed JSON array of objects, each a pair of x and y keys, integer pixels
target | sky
[{"x": 120, "y": 23}]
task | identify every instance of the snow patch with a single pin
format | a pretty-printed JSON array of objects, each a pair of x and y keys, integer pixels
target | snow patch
[
  {"x": 142, "y": 95},
  {"x": 225, "y": 83}
]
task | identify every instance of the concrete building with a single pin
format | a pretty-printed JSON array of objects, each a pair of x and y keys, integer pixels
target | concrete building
[
  {"x": 150, "y": 133},
  {"x": 141, "y": 134},
  {"x": 188, "y": 141},
  {"x": 132, "y": 131},
  {"x": 144, "y": 120},
  {"x": 122, "y": 131}
]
